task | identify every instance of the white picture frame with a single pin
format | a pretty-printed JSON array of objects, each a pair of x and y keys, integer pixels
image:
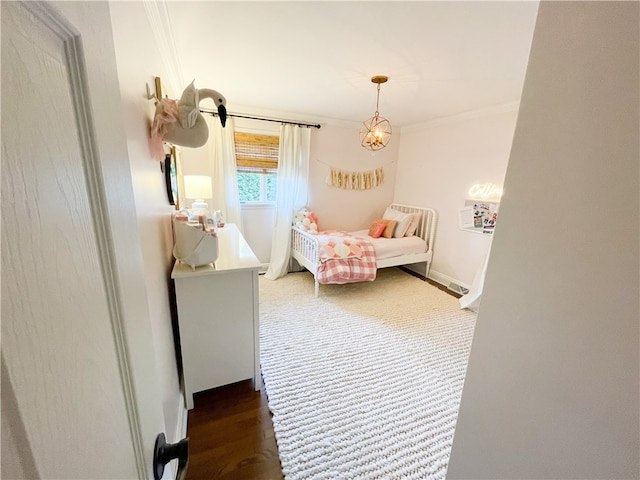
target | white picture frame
[{"x": 465, "y": 217}]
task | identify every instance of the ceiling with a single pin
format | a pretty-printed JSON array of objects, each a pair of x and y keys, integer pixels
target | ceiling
[{"x": 314, "y": 60}]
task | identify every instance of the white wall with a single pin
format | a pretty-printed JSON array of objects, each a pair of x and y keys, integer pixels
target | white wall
[
  {"x": 438, "y": 162},
  {"x": 552, "y": 388},
  {"x": 258, "y": 221},
  {"x": 338, "y": 146},
  {"x": 138, "y": 61}
]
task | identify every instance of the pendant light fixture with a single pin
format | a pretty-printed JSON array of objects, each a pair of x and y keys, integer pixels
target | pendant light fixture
[{"x": 376, "y": 131}]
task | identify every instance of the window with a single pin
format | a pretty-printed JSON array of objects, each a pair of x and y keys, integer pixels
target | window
[{"x": 257, "y": 166}]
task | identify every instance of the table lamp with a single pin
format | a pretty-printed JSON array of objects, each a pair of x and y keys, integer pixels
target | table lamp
[{"x": 198, "y": 188}]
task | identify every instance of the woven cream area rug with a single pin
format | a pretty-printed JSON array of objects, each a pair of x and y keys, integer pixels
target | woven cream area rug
[{"x": 364, "y": 382}]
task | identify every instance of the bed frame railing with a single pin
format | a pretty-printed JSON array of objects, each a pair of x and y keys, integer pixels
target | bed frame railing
[{"x": 306, "y": 244}]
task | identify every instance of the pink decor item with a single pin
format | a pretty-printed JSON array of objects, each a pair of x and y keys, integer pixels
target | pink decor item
[
  {"x": 166, "y": 114},
  {"x": 345, "y": 259}
]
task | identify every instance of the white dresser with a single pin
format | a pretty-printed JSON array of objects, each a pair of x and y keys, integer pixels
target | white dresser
[{"x": 218, "y": 317}]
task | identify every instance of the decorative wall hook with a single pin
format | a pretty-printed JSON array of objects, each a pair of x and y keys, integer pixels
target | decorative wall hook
[{"x": 151, "y": 96}]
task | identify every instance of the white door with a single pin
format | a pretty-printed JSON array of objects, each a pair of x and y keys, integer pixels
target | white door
[{"x": 71, "y": 406}]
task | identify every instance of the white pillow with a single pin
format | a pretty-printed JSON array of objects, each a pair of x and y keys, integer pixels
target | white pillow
[{"x": 403, "y": 219}]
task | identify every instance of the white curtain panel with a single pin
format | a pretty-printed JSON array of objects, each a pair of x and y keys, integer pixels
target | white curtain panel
[
  {"x": 291, "y": 193},
  {"x": 222, "y": 154}
]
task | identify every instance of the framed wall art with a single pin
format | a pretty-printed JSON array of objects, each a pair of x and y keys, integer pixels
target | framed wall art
[{"x": 173, "y": 177}]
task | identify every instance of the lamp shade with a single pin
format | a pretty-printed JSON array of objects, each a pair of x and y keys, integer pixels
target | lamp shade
[{"x": 197, "y": 187}]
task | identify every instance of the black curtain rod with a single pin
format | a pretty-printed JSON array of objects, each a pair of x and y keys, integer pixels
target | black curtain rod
[{"x": 238, "y": 115}]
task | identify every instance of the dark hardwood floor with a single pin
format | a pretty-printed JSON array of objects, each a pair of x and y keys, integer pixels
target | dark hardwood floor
[{"x": 231, "y": 433}]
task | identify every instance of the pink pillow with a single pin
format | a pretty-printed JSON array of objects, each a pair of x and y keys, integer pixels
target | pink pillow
[
  {"x": 403, "y": 220},
  {"x": 376, "y": 229},
  {"x": 390, "y": 227}
]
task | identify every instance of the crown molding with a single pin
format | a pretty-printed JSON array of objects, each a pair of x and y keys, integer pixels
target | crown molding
[{"x": 160, "y": 23}]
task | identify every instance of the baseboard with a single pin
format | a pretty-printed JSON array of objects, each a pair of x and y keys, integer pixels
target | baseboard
[{"x": 446, "y": 280}]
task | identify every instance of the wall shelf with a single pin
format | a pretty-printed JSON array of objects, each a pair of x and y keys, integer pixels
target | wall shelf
[{"x": 479, "y": 230}]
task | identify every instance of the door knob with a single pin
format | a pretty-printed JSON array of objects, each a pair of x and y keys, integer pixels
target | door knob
[{"x": 164, "y": 452}]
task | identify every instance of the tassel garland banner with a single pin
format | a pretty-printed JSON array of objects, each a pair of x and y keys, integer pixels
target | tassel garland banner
[{"x": 356, "y": 180}]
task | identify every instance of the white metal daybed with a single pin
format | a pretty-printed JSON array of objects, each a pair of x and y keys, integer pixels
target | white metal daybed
[{"x": 390, "y": 252}]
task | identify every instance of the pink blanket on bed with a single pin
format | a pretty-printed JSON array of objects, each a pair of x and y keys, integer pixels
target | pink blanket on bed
[{"x": 345, "y": 259}]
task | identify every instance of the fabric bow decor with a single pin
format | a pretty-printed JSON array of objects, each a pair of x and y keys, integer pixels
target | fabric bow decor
[{"x": 181, "y": 123}]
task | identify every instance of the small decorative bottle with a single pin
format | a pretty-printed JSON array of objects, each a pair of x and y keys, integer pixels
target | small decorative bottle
[{"x": 218, "y": 219}]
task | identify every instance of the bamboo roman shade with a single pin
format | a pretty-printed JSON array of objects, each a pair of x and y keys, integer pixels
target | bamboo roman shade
[{"x": 256, "y": 153}]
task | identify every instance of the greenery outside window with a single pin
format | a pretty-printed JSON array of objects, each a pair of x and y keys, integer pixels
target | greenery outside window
[{"x": 257, "y": 166}]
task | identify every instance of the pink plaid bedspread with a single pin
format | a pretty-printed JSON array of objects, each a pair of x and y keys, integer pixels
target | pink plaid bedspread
[{"x": 345, "y": 259}]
